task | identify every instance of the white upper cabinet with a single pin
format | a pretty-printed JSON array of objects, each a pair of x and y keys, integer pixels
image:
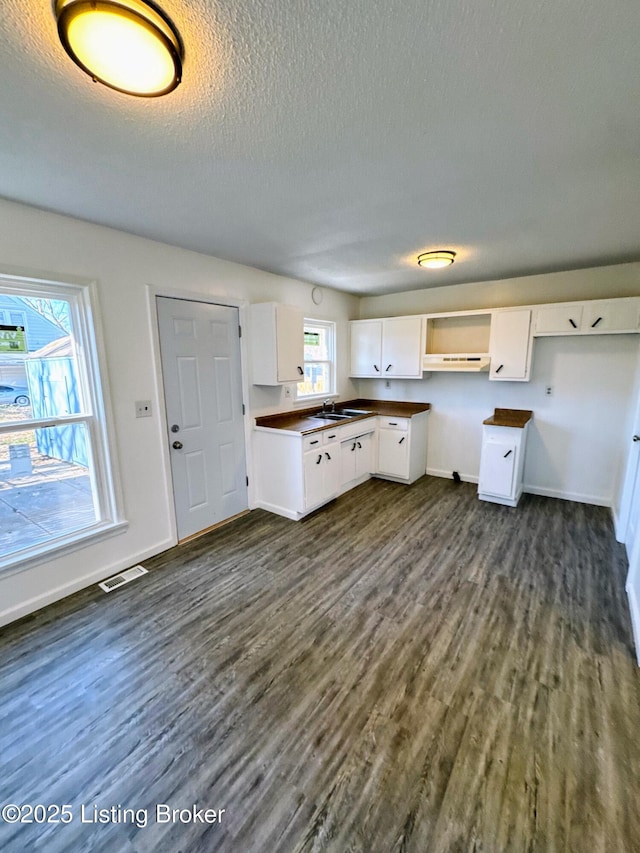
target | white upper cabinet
[
  {"x": 402, "y": 347},
  {"x": 277, "y": 343},
  {"x": 391, "y": 347},
  {"x": 510, "y": 345},
  {"x": 605, "y": 316},
  {"x": 366, "y": 347},
  {"x": 558, "y": 319},
  {"x": 595, "y": 317}
]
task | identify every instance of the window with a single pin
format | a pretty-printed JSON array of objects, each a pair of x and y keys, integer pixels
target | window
[
  {"x": 55, "y": 481},
  {"x": 319, "y": 360}
]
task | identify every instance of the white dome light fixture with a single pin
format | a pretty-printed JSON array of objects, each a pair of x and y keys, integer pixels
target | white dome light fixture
[
  {"x": 436, "y": 260},
  {"x": 128, "y": 45}
]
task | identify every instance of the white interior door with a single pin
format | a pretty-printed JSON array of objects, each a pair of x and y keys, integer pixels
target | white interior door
[{"x": 201, "y": 369}]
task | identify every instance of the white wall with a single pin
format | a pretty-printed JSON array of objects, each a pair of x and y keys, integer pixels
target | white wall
[
  {"x": 577, "y": 445},
  {"x": 33, "y": 242}
]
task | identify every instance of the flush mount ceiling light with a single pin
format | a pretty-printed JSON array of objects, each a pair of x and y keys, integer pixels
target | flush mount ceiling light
[
  {"x": 436, "y": 260},
  {"x": 128, "y": 45}
]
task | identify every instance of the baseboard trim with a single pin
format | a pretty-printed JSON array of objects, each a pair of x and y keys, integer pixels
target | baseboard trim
[
  {"x": 278, "y": 510},
  {"x": 64, "y": 590},
  {"x": 594, "y": 500},
  {"x": 447, "y": 475}
]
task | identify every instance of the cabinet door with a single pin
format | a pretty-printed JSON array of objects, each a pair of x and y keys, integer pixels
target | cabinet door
[
  {"x": 611, "y": 315},
  {"x": 393, "y": 453},
  {"x": 509, "y": 345},
  {"x": 558, "y": 319},
  {"x": 332, "y": 472},
  {"x": 348, "y": 461},
  {"x": 402, "y": 347},
  {"x": 289, "y": 343},
  {"x": 313, "y": 478},
  {"x": 364, "y": 445},
  {"x": 366, "y": 347},
  {"x": 497, "y": 468}
]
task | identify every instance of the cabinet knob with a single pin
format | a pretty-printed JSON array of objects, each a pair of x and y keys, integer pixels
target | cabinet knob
[
  {"x": 498, "y": 369},
  {"x": 595, "y": 322},
  {"x": 354, "y": 446},
  {"x": 300, "y": 371},
  {"x": 401, "y": 440},
  {"x": 572, "y": 323},
  {"x": 328, "y": 456},
  {"x": 507, "y": 453},
  {"x": 359, "y": 445},
  {"x": 387, "y": 368},
  {"x": 319, "y": 459},
  {"x": 376, "y": 368},
  {"x": 636, "y": 437}
]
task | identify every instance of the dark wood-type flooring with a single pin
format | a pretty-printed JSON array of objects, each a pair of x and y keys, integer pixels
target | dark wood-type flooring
[{"x": 409, "y": 669}]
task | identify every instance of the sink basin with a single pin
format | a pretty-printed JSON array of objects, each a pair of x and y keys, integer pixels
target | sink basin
[
  {"x": 353, "y": 412},
  {"x": 332, "y": 416}
]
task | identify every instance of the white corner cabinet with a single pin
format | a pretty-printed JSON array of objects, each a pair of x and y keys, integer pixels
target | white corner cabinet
[
  {"x": 391, "y": 348},
  {"x": 595, "y": 317},
  {"x": 276, "y": 343},
  {"x": 296, "y": 474},
  {"x": 502, "y": 463}
]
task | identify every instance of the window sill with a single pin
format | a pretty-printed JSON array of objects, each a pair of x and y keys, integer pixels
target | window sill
[
  {"x": 29, "y": 557},
  {"x": 314, "y": 398}
]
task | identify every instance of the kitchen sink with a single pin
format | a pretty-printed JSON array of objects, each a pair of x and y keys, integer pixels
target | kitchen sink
[
  {"x": 332, "y": 416},
  {"x": 353, "y": 412}
]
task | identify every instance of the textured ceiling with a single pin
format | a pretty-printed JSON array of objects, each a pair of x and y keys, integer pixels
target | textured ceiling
[{"x": 333, "y": 141}]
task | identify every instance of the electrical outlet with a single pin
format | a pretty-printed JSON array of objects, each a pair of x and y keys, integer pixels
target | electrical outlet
[
  {"x": 387, "y": 383},
  {"x": 548, "y": 390},
  {"x": 287, "y": 392},
  {"x": 143, "y": 408}
]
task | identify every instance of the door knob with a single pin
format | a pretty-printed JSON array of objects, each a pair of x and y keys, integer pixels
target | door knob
[
  {"x": 177, "y": 445},
  {"x": 636, "y": 437}
]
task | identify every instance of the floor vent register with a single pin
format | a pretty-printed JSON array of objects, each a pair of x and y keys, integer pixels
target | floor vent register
[{"x": 123, "y": 578}]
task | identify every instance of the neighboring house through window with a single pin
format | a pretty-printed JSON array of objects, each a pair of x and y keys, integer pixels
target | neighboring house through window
[
  {"x": 55, "y": 475},
  {"x": 319, "y": 360}
]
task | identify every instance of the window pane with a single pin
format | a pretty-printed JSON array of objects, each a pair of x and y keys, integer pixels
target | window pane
[
  {"x": 315, "y": 343},
  {"x": 316, "y": 380},
  {"x": 38, "y": 371},
  {"x": 45, "y": 486}
]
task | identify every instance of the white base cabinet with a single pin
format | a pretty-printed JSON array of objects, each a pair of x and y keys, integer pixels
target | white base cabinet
[
  {"x": 502, "y": 464},
  {"x": 296, "y": 474},
  {"x": 402, "y": 448}
]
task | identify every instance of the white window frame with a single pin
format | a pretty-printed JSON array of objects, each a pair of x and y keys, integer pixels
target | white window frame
[
  {"x": 95, "y": 416},
  {"x": 330, "y": 326}
]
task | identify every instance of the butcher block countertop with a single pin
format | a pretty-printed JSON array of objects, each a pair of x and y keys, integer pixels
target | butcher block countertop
[
  {"x": 518, "y": 418},
  {"x": 302, "y": 420}
]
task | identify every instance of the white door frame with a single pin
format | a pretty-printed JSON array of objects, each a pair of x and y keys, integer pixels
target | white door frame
[{"x": 212, "y": 299}]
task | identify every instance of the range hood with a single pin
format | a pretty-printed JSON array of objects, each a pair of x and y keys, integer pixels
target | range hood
[{"x": 460, "y": 362}]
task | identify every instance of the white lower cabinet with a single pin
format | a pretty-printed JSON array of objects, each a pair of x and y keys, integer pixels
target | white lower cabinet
[
  {"x": 502, "y": 464},
  {"x": 356, "y": 458},
  {"x": 296, "y": 474},
  {"x": 402, "y": 448},
  {"x": 321, "y": 475}
]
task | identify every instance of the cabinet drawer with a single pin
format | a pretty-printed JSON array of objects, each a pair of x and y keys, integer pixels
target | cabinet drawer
[
  {"x": 394, "y": 423},
  {"x": 310, "y": 442},
  {"x": 330, "y": 436}
]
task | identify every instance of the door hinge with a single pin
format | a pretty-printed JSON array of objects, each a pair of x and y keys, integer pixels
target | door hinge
[
  {"x": 239, "y": 331},
  {"x": 247, "y": 479},
  {"x": 243, "y": 409}
]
